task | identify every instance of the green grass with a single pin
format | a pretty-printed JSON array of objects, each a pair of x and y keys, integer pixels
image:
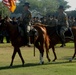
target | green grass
[
  {"x": 62, "y": 66},
  {"x": 71, "y": 44}
]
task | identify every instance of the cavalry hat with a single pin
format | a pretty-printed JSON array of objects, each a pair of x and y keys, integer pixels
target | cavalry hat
[
  {"x": 61, "y": 7},
  {"x": 27, "y": 4}
]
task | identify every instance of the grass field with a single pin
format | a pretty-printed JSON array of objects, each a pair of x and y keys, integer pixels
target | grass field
[{"x": 62, "y": 66}]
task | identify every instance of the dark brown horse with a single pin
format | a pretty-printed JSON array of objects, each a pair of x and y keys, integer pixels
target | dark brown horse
[
  {"x": 74, "y": 34},
  {"x": 55, "y": 39},
  {"x": 16, "y": 39}
]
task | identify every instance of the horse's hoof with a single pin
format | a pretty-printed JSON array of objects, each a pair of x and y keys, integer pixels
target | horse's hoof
[
  {"x": 49, "y": 60},
  {"x": 41, "y": 62},
  {"x": 23, "y": 63},
  {"x": 10, "y": 65},
  {"x": 70, "y": 60},
  {"x": 54, "y": 60}
]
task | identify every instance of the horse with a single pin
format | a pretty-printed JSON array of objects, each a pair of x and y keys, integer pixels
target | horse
[
  {"x": 17, "y": 40},
  {"x": 55, "y": 39},
  {"x": 40, "y": 38},
  {"x": 74, "y": 34}
]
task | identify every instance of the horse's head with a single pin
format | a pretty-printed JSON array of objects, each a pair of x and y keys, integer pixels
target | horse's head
[
  {"x": 4, "y": 24},
  {"x": 33, "y": 34}
]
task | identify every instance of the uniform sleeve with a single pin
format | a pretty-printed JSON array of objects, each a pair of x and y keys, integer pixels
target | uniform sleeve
[{"x": 66, "y": 17}]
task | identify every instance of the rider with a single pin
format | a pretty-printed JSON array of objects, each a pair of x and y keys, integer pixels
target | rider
[
  {"x": 26, "y": 16},
  {"x": 63, "y": 24}
]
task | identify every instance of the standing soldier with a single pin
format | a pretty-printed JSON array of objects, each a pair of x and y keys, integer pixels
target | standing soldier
[
  {"x": 53, "y": 21},
  {"x": 26, "y": 16},
  {"x": 63, "y": 24}
]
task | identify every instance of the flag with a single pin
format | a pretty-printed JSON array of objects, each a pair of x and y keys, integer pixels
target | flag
[{"x": 11, "y": 4}]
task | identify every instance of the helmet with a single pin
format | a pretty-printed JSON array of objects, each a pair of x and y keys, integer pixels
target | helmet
[{"x": 27, "y": 4}]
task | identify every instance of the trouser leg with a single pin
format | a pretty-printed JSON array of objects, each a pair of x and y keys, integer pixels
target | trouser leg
[
  {"x": 26, "y": 34},
  {"x": 62, "y": 36}
]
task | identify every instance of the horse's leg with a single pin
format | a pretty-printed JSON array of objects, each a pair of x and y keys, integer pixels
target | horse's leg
[
  {"x": 41, "y": 57},
  {"x": 20, "y": 55},
  {"x": 55, "y": 57},
  {"x": 47, "y": 55},
  {"x": 13, "y": 56},
  {"x": 40, "y": 50},
  {"x": 47, "y": 49},
  {"x": 74, "y": 50}
]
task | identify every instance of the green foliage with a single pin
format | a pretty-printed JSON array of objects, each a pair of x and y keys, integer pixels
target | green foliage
[
  {"x": 3, "y": 10},
  {"x": 43, "y": 6}
]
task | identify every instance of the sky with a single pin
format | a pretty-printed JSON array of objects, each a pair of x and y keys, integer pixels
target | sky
[{"x": 72, "y": 3}]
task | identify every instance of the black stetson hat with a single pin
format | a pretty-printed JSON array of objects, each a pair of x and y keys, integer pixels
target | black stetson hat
[
  {"x": 27, "y": 4},
  {"x": 61, "y": 7}
]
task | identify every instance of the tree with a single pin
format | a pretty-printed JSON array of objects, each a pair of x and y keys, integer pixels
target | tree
[
  {"x": 64, "y": 3},
  {"x": 42, "y": 6},
  {"x": 3, "y": 10}
]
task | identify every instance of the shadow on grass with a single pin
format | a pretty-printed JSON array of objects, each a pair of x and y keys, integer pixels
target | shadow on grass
[
  {"x": 33, "y": 65},
  {"x": 67, "y": 58},
  {"x": 19, "y": 66}
]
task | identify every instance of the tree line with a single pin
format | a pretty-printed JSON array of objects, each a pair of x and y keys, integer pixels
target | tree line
[{"x": 42, "y": 6}]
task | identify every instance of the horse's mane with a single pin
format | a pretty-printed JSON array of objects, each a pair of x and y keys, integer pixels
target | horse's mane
[
  {"x": 50, "y": 30},
  {"x": 39, "y": 24}
]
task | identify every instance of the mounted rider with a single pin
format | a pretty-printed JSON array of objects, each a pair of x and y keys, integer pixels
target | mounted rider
[
  {"x": 62, "y": 24},
  {"x": 26, "y": 16}
]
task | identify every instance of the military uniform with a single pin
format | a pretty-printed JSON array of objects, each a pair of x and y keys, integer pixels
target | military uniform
[
  {"x": 53, "y": 21},
  {"x": 26, "y": 16},
  {"x": 70, "y": 20},
  {"x": 63, "y": 23},
  {"x": 74, "y": 23}
]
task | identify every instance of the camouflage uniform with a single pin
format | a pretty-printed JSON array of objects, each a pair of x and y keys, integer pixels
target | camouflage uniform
[
  {"x": 70, "y": 20},
  {"x": 53, "y": 21},
  {"x": 26, "y": 16},
  {"x": 74, "y": 23},
  {"x": 63, "y": 24}
]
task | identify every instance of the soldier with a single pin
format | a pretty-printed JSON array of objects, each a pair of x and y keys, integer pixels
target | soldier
[
  {"x": 74, "y": 23},
  {"x": 63, "y": 24},
  {"x": 70, "y": 20},
  {"x": 53, "y": 21},
  {"x": 26, "y": 16}
]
